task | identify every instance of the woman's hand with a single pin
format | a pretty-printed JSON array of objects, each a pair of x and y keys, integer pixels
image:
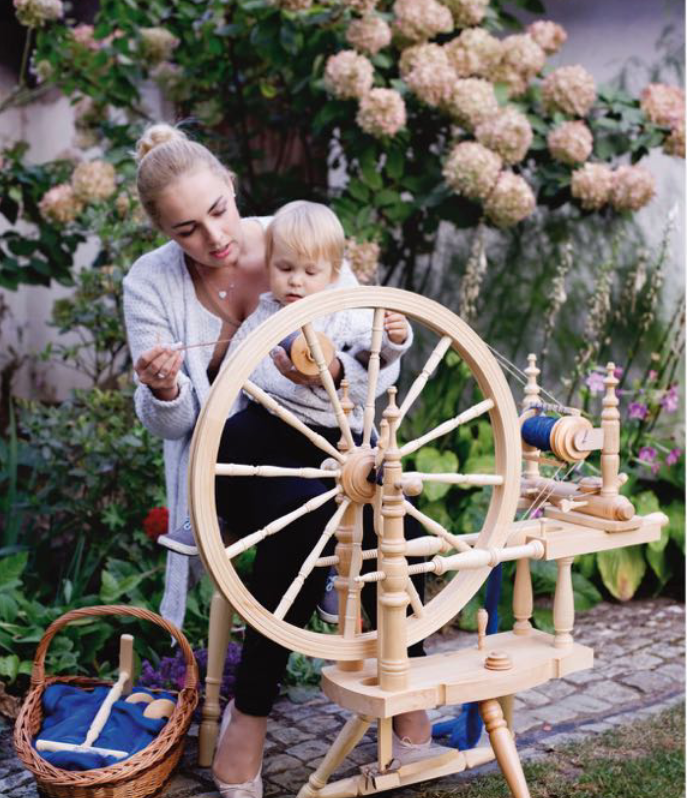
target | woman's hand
[
  {"x": 158, "y": 368},
  {"x": 286, "y": 368}
]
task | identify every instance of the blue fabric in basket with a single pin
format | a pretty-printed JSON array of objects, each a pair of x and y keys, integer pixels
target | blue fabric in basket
[{"x": 68, "y": 711}]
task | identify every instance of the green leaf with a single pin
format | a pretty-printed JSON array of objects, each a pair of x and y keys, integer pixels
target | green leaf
[
  {"x": 9, "y": 666},
  {"x": 358, "y": 190},
  {"x": 585, "y": 594},
  {"x": 622, "y": 571},
  {"x": 659, "y": 562},
  {"x": 543, "y": 619},
  {"x": 676, "y": 524},
  {"x": 11, "y": 569},
  {"x": 395, "y": 163},
  {"x": 431, "y": 460},
  {"x": 371, "y": 176}
]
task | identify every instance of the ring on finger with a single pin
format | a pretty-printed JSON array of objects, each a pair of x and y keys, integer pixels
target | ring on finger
[{"x": 161, "y": 375}]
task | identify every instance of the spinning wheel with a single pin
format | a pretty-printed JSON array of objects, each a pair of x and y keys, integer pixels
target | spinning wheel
[{"x": 349, "y": 467}]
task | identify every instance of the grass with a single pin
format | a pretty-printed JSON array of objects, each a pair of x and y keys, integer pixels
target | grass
[{"x": 645, "y": 759}]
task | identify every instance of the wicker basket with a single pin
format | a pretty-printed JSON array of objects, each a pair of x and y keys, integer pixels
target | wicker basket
[{"x": 138, "y": 776}]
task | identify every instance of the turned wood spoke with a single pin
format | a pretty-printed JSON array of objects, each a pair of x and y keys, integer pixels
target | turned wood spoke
[
  {"x": 436, "y": 528},
  {"x": 351, "y": 613},
  {"x": 373, "y": 374},
  {"x": 279, "y": 523},
  {"x": 456, "y": 479},
  {"x": 236, "y": 470},
  {"x": 421, "y": 380},
  {"x": 462, "y": 418},
  {"x": 415, "y": 600},
  {"x": 289, "y": 418},
  {"x": 310, "y": 562},
  {"x": 328, "y": 383}
]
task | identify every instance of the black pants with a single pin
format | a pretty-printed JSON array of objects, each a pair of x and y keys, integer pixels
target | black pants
[{"x": 256, "y": 437}]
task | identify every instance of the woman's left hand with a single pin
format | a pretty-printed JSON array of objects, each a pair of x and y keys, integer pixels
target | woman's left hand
[{"x": 286, "y": 368}]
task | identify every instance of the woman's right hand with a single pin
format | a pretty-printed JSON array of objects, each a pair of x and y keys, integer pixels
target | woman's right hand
[{"x": 158, "y": 369}]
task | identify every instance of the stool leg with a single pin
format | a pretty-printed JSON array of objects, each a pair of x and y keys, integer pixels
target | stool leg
[
  {"x": 218, "y": 640},
  {"x": 504, "y": 747}
]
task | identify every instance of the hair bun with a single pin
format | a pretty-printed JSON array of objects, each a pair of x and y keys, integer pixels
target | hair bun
[{"x": 155, "y": 135}]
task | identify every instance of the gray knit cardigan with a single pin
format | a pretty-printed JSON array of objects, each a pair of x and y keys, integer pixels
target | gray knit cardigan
[{"x": 161, "y": 306}]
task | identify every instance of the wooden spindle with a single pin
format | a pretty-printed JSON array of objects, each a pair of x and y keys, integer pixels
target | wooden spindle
[
  {"x": 523, "y": 598},
  {"x": 564, "y": 604},
  {"x": 532, "y": 397},
  {"x": 392, "y": 640},
  {"x": 610, "y": 424}
]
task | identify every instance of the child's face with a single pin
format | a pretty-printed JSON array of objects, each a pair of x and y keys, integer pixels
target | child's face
[{"x": 292, "y": 278}]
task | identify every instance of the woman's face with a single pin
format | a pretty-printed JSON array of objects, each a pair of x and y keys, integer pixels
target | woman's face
[{"x": 199, "y": 212}]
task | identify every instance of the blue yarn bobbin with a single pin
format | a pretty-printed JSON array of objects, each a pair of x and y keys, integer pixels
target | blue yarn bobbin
[{"x": 536, "y": 431}]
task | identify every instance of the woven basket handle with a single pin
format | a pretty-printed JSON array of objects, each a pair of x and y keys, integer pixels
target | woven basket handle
[{"x": 38, "y": 672}]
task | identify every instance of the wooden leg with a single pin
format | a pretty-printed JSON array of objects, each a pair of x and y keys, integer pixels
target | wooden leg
[
  {"x": 506, "y": 702},
  {"x": 348, "y": 738},
  {"x": 218, "y": 640},
  {"x": 504, "y": 748}
]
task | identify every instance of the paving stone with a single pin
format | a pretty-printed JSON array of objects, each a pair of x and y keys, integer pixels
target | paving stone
[
  {"x": 650, "y": 682},
  {"x": 584, "y": 677},
  {"x": 308, "y": 750},
  {"x": 182, "y": 787},
  {"x": 17, "y": 779},
  {"x": 524, "y": 721},
  {"x": 320, "y": 724},
  {"x": 583, "y": 704},
  {"x": 673, "y": 670},
  {"x": 289, "y": 736},
  {"x": 279, "y": 763},
  {"x": 556, "y": 689},
  {"x": 616, "y": 694},
  {"x": 596, "y": 728},
  {"x": 534, "y": 698},
  {"x": 290, "y": 780},
  {"x": 556, "y": 713},
  {"x": 642, "y": 661}
]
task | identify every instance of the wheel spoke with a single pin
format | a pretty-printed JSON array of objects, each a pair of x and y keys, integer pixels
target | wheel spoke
[
  {"x": 462, "y": 418},
  {"x": 456, "y": 479},
  {"x": 289, "y": 418},
  {"x": 415, "y": 600},
  {"x": 328, "y": 383},
  {"x": 279, "y": 523},
  {"x": 373, "y": 375},
  {"x": 306, "y": 569},
  {"x": 436, "y": 528},
  {"x": 236, "y": 470},
  {"x": 352, "y": 611},
  {"x": 421, "y": 380}
]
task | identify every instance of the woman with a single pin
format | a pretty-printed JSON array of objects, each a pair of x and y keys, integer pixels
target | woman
[{"x": 198, "y": 288}]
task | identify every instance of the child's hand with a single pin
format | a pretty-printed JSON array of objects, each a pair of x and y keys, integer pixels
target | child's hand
[{"x": 396, "y": 327}]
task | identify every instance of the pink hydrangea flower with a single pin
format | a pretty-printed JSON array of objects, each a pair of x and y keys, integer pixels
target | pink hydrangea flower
[
  {"x": 663, "y": 105},
  {"x": 592, "y": 185},
  {"x": 633, "y": 187},
  {"x": 382, "y": 113},
  {"x": 548, "y": 35},
  {"x": 369, "y": 35},
  {"x": 348, "y": 75},
  {"x": 420, "y": 20},
  {"x": 570, "y": 89},
  {"x": 571, "y": 142}
]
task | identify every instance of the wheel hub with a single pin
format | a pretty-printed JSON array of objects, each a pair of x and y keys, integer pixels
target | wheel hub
[{"x": 354, "y": 476}]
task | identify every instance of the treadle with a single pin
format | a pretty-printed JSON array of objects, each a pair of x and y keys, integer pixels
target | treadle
[
  {"x": 459, "y": 676},
  {"x": 368, "y": 783}
]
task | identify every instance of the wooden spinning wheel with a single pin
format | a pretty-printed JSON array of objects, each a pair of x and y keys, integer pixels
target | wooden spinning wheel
[{"x": 349, "y": 467}]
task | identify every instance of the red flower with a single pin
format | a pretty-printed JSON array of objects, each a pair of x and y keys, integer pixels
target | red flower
[{"x": 155, "y": 523}]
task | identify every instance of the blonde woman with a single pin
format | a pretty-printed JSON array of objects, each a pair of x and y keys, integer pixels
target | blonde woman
[{"x": 200, "y": 287}]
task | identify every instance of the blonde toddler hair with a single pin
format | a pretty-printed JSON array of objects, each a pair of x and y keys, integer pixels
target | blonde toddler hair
[
  {"x": 164, "y": 154},
  {"x": 310, "y": 231}
]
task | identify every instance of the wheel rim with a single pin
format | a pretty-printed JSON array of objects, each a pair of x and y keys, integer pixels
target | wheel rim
[{"x": 205, "y": 445}]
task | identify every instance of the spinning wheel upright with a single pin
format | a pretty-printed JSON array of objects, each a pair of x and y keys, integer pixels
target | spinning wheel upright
[{"x": 373, "y": 676}]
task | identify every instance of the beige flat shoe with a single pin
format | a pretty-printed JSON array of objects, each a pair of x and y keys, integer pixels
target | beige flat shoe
[
  {"x": 406, "y": 752},
  {"x": 247, "y": 789}
]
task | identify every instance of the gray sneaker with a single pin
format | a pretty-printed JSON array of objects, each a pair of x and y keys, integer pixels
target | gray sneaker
[
  {"x": 328, "y": 607},
  {"x": 181, "y": 540}
]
